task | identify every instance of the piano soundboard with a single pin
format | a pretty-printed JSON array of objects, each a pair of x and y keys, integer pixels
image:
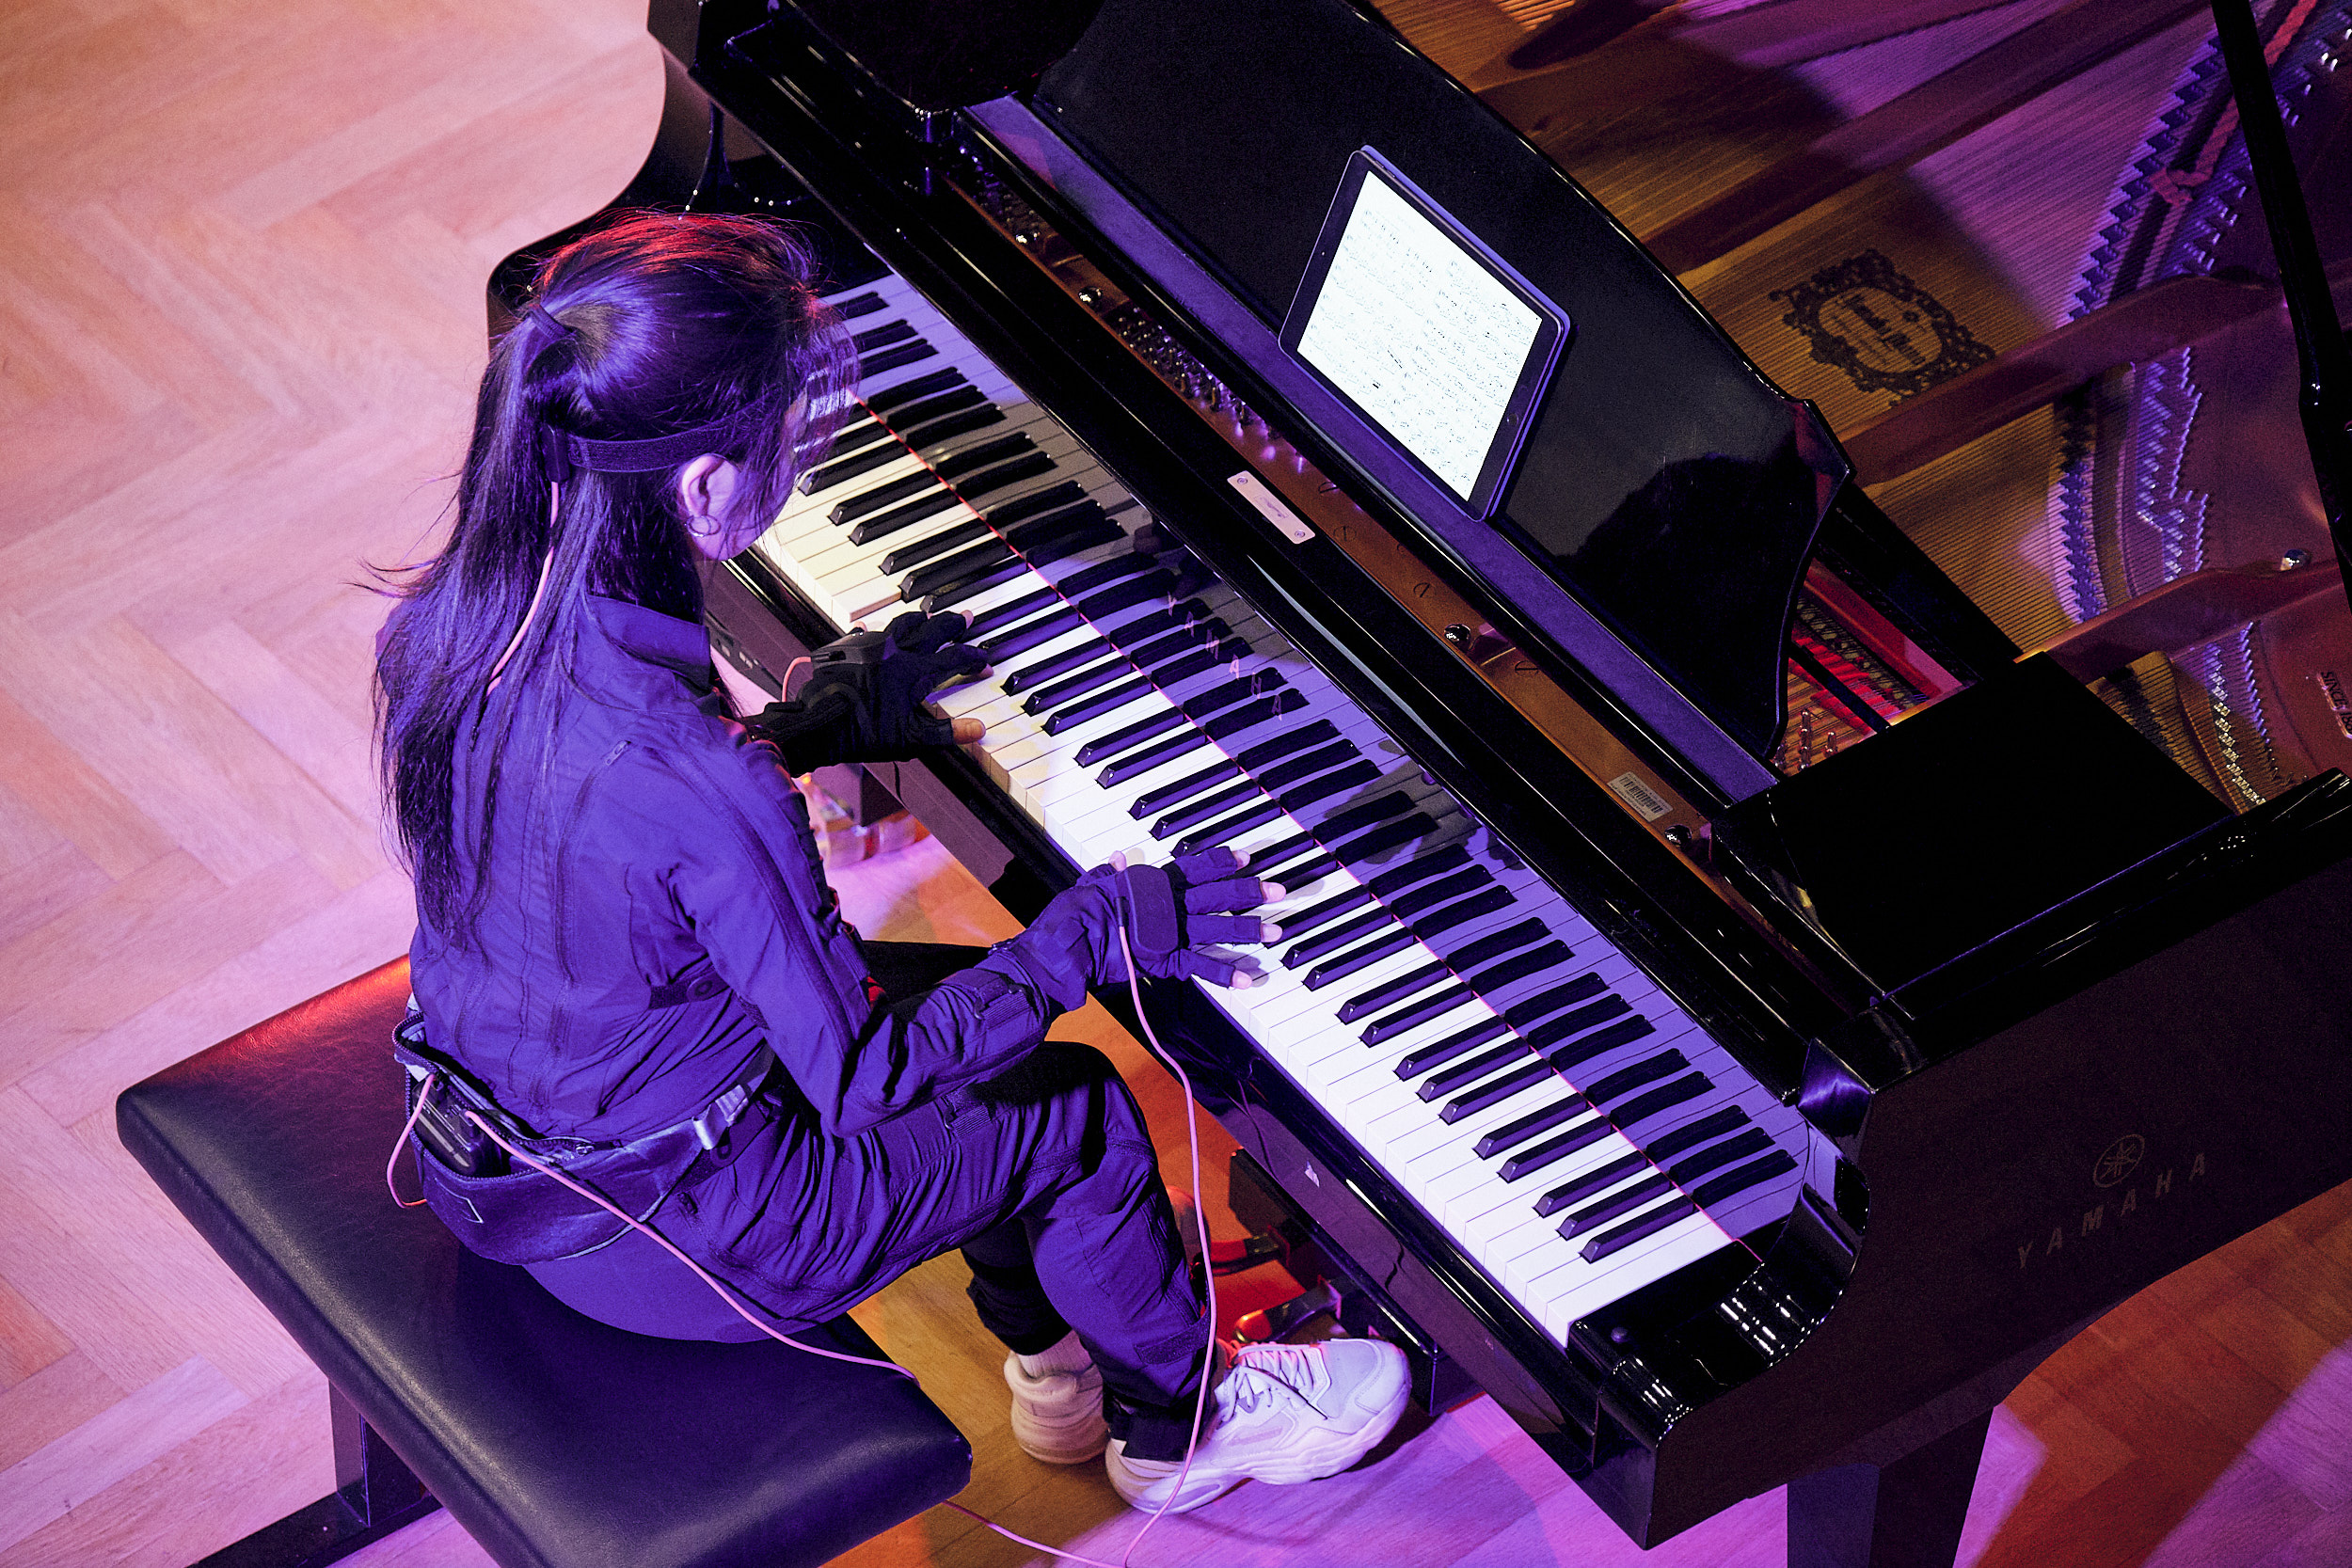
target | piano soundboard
[{"x": 1517, "y": 1077}]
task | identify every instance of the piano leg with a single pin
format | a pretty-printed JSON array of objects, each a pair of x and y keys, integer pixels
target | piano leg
[{"x": 1907, "y": 1515}]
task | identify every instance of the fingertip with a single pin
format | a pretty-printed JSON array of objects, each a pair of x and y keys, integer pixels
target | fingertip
[
  {"x": 1272, "y": 892},
  {"x": 1241, "y": 857},
  {"x": 1242, "y": 980},
  {"x": 1273, "y": 932}
]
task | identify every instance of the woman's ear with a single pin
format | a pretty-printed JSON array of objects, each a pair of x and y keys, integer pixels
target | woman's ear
[{"x": 706, "y": 491}]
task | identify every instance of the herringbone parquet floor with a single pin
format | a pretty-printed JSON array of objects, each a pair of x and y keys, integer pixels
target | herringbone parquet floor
[{"x": 242, "y": 251}]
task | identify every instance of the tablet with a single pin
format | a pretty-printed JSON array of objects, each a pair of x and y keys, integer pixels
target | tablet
[{"x": 1425, "y": 331}]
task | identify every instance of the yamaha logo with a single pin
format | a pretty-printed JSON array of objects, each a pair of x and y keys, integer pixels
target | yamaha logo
[{"x": 2121, "y": 1159}]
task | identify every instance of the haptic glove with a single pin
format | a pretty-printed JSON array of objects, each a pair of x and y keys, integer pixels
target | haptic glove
[
  {"x": 1169, "y": 913},
  {"x": 864, "y": 699}
]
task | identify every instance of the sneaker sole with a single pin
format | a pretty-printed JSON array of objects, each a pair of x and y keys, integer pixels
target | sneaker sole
[{"x": 1202, "y": 1487}]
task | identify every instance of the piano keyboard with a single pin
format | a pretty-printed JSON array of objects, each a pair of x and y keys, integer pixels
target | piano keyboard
[{"x": 1546, "y": 1105}]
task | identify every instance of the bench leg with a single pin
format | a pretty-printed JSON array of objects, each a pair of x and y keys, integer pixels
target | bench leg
[{"x": 375, "y": 1495}]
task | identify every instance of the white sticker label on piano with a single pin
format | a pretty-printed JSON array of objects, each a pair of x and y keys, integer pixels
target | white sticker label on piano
[
  {"x": 1634, "y": 793},
  {"x": 1272, "y": 507}
]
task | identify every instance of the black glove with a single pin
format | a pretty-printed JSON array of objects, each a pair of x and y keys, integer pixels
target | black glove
[
  {"x": 864, "y": 695},
  {"x": 1167, "y": 913}
]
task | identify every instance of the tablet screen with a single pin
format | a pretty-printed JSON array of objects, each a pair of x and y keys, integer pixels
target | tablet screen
[{"x": 1429, "y": 336}]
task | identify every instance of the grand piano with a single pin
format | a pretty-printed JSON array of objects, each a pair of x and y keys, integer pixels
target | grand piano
[{"x": 1745, "y": 1001}]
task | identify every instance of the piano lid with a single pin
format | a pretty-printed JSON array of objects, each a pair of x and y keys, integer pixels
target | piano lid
[{"x": 1669, "y": 487}]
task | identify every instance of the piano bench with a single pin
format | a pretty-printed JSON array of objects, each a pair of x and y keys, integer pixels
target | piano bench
[{"x": 553, "y": 1439}]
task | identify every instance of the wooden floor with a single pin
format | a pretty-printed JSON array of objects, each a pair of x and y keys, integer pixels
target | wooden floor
[{"x": 242, "y": 249}]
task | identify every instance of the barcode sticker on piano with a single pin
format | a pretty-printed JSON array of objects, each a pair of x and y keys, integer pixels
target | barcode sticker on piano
[
  {"x": 1634, "y": 793},
  {"x": 1272, "y": 507}
]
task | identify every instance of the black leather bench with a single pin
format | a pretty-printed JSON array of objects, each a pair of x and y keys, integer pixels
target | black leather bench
[{"x": 553, "y": 1439}]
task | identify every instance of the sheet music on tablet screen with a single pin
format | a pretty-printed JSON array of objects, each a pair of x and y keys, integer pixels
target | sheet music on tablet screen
[{"x": 1418, "y": 335}]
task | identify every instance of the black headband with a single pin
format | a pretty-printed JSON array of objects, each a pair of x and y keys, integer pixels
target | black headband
[{"x": 655, "y": 453}]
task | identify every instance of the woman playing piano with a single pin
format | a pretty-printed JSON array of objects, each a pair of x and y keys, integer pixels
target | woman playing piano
[{"x": 627, "y": 961}]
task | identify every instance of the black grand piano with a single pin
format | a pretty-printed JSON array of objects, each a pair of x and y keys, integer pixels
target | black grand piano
[{"x": 1735, "y": 1009}]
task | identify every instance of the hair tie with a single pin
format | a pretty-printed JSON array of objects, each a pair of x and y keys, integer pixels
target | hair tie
[{"x": 535, "y": 310}]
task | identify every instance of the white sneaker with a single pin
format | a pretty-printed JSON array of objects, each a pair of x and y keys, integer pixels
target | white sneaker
[
  {"x": 1058, "y": 1403},
  {"x": 1283, "y": 1414}
]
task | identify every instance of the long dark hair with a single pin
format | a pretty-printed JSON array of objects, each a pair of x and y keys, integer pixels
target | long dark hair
[{"x": 649, "y": 327}]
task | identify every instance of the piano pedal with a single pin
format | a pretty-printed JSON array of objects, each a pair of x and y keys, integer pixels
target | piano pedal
[{"x": 1336, "y": 1297}]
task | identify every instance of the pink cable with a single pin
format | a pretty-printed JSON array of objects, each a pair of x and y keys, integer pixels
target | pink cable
[{"x": 1201, "y": 1225}]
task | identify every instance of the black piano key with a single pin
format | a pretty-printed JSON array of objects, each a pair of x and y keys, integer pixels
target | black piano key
[
  {"x": 1339, "y": 824},
  {"x": 984, "y": 455},
  {"x": 1219, "y": 697},
  {"x": 1753, "y": 1141},
  {"x": 1198, "y": 634},
  {"x": 857, "y": 305},
  {"x": 1615, "y": 1206},
  {"x": 1497, "y": 1092},
  {"x": 1778, "y": 1163},
  {"x": 1125, "y": 596},
  {"x": 1432, "y": 926},
  {"x": 1127, "y": 563},
  {"x": 922, "y": 436},
  {"x": 907, "y": 393},
  {"x": 1420, "y": 869},
  {"x": 852, "y": 437},
  {"x": 908, "y": 557},
  {"x": 1121, "y": 741},
  {"x": 1201, "y": 810},
  {"x": 1315, "y": 916},
  {"x": 1198, "y": 662},
  {"x": 1414, "y": 1014},
  {"x": 1282, "y": 745},
  {"x": 942, "y": 575},
  {"x": 1381, "y": 840},
  {"x": 973, "y": 584},
  {"x": 1405, "y": 984},
  {"x": 881, "y": 337},
  {"x": 1037, "y": 504},
  {"x": 1496, "y": 944},
  {"x": 922, "y": 411},
  {"x": 1461, "y": 1075},
  {"x": 1036, "y": 526},
  {"x": 1607, "y": 1040},
  {"x": 1314, "y": 762},
  {"x": 1250, "y": 715},
  {"x": 1437, "y": 892},
  {"x": 1144, "y": 761},
  {"x": 1187, "y": 616},
  {"x": 1544, "y": 1004},
  {"x": 842, "y": 469},
  {"x": 1299, "y": 872},
  {"x": 1518, "y": 967},
  {"x": 1414, "y": 1062},
  {"x": 1058, "y": 694},
  {"x": 1552, "y": 1031},
  {"x": 1354, "y": 776},
  {"x": 894, "y": 357},
  {"x": 1046, "y": 666},
  {"x": 1513, "y": 1134},
  {"x": 1085, "y": 709},
  {"x": 1713, "y": 1125},
  {"x": 1308, "y": 949},
  {"x": 1232, "y": 828},
  {"x": 1600, "y": 1178},
  {"x": 1633, "y": 1112},
  {"x": 1084, "y": 532},
  {"x": 1341, "y": 965},
  {"x": 989, "y": 480},
  {"x": 1282, "y": 850},
  {"x": 867, "y": 529},
  {"x": 1633, "y": 1230},
  {"x": 1650, "y": 1070},
  {"x": 1527, "y": 1162},
  {"x": 1013, "y": 613},
  {"x": 866, "y": 502},
  {"x": 1182, "y": 790}
]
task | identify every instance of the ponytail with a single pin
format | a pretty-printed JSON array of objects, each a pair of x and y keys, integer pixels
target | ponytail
[{"x": 652, "y": 327}]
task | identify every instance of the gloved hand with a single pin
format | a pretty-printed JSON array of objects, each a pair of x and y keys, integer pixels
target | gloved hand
[
  {"x": 1167, "y": 914},
  {"x": 864, "y": 694}
]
